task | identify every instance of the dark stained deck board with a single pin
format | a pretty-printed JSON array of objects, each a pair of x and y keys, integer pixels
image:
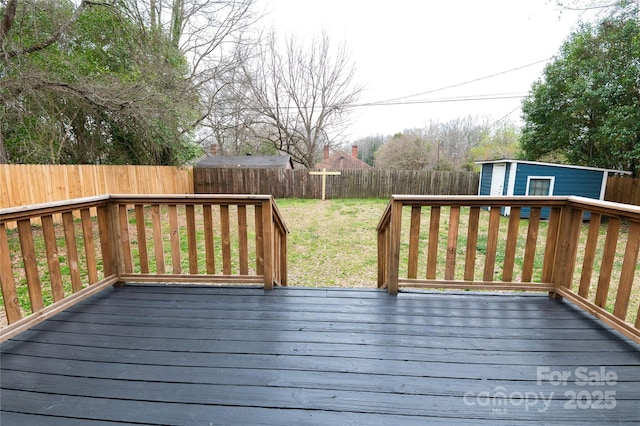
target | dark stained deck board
[{"x": 237, "y": 355}]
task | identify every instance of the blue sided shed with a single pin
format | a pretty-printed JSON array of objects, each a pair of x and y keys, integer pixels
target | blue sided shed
[{"x": 516, "y": 177}]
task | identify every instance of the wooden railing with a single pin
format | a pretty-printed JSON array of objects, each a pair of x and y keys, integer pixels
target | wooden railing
[
  {"x": 53, "y": 255},
  {"x": 581, "y": 249}
]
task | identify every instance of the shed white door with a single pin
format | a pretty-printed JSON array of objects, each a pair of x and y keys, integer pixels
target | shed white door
[{"x": 497, "y": 179}]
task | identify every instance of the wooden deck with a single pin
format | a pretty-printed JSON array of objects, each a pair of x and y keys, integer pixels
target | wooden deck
[{"x": 196, "y": 355}]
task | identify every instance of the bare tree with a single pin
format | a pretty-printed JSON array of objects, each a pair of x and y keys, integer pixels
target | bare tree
[
  {"x": 436, "y": 146},
  {"x": 500, "y": 143},
  {"x": 302, "y": 95},
  {"x": 213, "y": 35},
  {"x": 455, "y": 138},
  {"x": 606, "y": 6},
  {"x": 406, "y": 151}
]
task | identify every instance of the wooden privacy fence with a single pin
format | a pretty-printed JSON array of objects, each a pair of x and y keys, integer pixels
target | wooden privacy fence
[
  {"x": 349, "y": 184},
  {"x": 466, "y": 246},
  {"x": 623, "y": 189},
  {"x": 24, "y": 184},
  {"x": 135, "y": 238}
]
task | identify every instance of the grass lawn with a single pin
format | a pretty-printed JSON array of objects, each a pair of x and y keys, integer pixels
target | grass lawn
[{"x": 332, "y": 242}]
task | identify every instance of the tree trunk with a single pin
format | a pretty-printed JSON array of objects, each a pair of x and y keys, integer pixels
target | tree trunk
[
  {"x": 3, "y": 151},
  {"x": 7, "y": 20}
]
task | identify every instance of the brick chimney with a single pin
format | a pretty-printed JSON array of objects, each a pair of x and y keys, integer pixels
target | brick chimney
[
  {"x": 213, "y": 149},
  {"x": 354, "y": 151},
  {"x": 326, "y": 152}
]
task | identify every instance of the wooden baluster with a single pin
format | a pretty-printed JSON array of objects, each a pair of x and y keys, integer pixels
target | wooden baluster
[
  {"x": 157, "y": 238},
  {"x": 7, "y": 280},
  {"x": 53, "y": 262},
  {"x": 472, "y": 244},
  {"x": 589, "y": 255},
  {"x": 72, "y": 251},
  {"x": 125, "y": 240},
  {"x": 226, "y": 239},
  {"x": 242, "y": 240},
  {"x": 30, "y": 264},
  {"x": 89, "y": 245},
  {"x": 382, "y": 257},
  {"x": 191, "y": 238},
  {"x": 209, "y": 248},
  {"x": 567, "y": 247},
  {"x": 174, "y": 237},
  {"x": 283, "y": 258},
  {"x": 432, "y": 250},
  {"x": 512, "y": 244},
  {"x": 551, "y": 244},
  {"x": 492, "y": 244},
  {"x": 108, "y": 261},
  {"x": 452, "y": 243},
  {"x": 267, "y": 231},
  {"x": 414, "y": 239},
  {"x": 259, "y": 241},
  {"x": 608, "y": 257},
  {"x": 276, "y": 256},
  {"x": 627, "y": 274},
  {"x": 531, "y": 244},
  {"x": 141, "y": 231}
]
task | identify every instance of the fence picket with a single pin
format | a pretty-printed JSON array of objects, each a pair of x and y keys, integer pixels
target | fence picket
[
  {"x": 25, "y": 184},
  {"x": 374, "y": 183}
]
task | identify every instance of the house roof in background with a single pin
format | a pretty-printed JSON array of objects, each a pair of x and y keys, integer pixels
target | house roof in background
[
  {"x": 341, "y": 160},
  {"x": 246, "y": 162}
]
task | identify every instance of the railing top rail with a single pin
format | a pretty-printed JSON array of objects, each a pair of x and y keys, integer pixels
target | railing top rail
[
  {"x": 470, "y": 201},
  {"x": 605, "y": 207},
  {"x": 189, "y": 198},
  {"x": 34, "y": 210},
  {"x": 596, "y": 206},
  {"x": 480, "y": 200},
  {"x": 386, "y": 217},
  {"x": 278, "y": 217}
]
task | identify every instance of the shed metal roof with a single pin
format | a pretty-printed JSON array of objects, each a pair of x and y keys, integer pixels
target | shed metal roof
[
  {"x": 247, "y": 161},
  {"x": 570, "y": 166}
]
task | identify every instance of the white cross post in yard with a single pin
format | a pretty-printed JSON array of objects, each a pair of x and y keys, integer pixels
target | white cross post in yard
[{"x": 324, "y": 173}]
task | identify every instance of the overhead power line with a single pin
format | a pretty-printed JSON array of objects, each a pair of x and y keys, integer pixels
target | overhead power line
[
  {"x": 488, "y": 97},
  {"x": 386, "y": 101}
]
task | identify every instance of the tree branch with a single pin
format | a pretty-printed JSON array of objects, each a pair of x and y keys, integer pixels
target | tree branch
[{"x": 8, "y": 21}]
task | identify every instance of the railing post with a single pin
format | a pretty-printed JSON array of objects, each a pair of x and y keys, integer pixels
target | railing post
[
  {"x": 108, "y": 228},
  {"x": 267, "y": 241},
  {"x": 394, "y": 246},
  {"x": 567, "y": 247}
]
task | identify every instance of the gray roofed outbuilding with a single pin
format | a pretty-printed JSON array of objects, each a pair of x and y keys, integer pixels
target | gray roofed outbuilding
[{"x": 246, "y": 162}]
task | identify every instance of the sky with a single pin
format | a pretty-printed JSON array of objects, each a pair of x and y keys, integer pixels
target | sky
[{"x": 402, "y": 48}]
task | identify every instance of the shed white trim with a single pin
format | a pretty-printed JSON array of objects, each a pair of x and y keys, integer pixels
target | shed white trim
[{"x": 539, "y": 163}]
